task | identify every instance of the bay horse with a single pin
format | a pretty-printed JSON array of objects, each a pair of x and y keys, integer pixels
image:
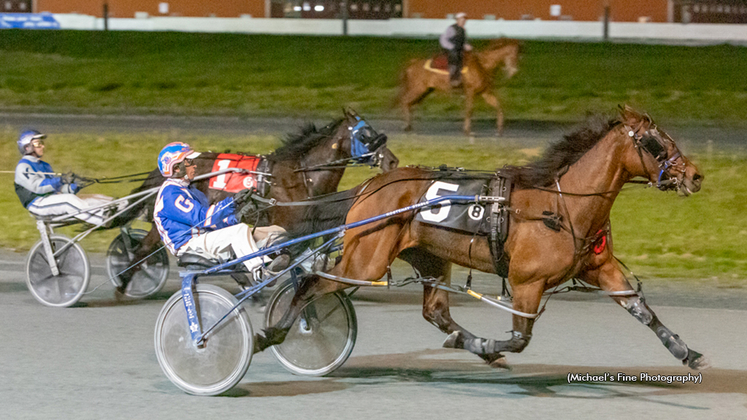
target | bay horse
[
  {"x": 419, "y": 80},
  {"x": 308, "y": 164},
  {"x": 576, "y": 181}
]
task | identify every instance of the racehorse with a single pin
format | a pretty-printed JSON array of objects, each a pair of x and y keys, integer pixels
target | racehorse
[
  {"x": 558, "y": 229},
  {"x": 306, "y": 165},
  {"x": 419, "y": 80}
]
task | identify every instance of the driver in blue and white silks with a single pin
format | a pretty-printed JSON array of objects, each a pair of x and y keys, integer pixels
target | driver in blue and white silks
[
  {"x": 188, "y": 224},
  {"x": 47, "y": 194}
]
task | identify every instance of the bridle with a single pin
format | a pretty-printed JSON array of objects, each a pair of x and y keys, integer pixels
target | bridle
[
  {"x": 365, "y": 149},
  {"x": 656, "y": 144}
]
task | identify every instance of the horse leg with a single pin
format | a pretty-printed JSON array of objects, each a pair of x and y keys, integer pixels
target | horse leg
[
  {"x": 368, "y": 263},
  {"x": 148, "y": 243},
  {"x": 609, "y": 277},
  {"x": 469, "y": 102},
  {"x": 309, "y": 287},
  {"x": 492, "y": 100},
  {"x": 140, "y": 254},
  {"x": 436, "y": 301},
  {"x": 410, "y": 98},
  {"x": 527, "y": 297}
]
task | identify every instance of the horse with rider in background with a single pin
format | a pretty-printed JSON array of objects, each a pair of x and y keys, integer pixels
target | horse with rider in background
[{"x": 423, "y": 76}]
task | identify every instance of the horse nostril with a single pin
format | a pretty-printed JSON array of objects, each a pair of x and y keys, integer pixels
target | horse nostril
[{"x": 697, "y": 177}]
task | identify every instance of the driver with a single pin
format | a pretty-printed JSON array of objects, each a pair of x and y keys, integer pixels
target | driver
[
  {"x": 188, "y": 224},
  {"x": 45, "y": 193}
]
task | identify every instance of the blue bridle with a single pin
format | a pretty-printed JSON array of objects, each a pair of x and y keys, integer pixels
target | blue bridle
[{"x": 364, "y": 141}]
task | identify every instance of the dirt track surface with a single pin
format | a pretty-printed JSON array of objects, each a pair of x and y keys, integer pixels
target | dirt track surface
[
  {"x": 527, "y": 132},
  {"x": 96, "y": 360}
]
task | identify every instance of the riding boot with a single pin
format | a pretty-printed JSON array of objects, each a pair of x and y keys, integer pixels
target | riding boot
[{"x": 455, "y": 79}]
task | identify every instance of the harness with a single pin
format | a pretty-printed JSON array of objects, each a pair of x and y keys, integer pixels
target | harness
[
  {"x": 652, "y": 142},
  {"x": 500, "y": 186}
]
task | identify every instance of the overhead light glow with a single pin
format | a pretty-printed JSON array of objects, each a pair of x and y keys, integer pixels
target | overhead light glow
[{"x": 318, "y": 8}]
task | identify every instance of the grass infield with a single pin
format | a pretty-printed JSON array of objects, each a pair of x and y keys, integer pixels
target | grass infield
[{"x": 301, "y": 76}]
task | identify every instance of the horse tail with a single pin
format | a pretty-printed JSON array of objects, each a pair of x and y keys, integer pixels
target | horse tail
[
  {"x": 153, "y": 180},
  {"x": 404, "y": 81}
]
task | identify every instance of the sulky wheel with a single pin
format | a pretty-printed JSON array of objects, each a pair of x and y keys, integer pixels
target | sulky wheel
[
  {"x": 144, "y": 280},
  {"x": 221, "y": 361},
  {"x": 321, "y": 339},
  {"x": 68, "y": 286}
]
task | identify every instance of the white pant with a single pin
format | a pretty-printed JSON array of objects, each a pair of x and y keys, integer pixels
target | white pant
[
  {"x": 219, "y": 243},
  {"x": 62, "y": 204}
]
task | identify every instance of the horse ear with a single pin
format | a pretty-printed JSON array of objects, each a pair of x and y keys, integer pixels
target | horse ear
[{"x": 629, "y": 115}]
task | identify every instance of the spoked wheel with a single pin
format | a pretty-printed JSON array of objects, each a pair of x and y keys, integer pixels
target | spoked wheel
[
  {"x": 66, "y": 288},
  {"x": 222, "y": 360},
  {"x": 146, "y": 279},
  {"x": 321, "y": 339}
]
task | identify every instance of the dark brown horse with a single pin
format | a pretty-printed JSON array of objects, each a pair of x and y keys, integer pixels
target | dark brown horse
[
  {"x": 558, "y": 229},
  {"x": 307, "y": 164},
  {"x": 420, "y": 79}
]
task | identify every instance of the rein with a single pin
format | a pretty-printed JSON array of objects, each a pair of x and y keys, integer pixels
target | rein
[{"x": 333, "y": 164}]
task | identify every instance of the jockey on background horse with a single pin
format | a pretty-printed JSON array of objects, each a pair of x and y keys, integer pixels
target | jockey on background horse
[{"x": 454, "y": 43}]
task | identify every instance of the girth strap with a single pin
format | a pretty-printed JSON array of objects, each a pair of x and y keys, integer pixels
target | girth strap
[{"x": 500, "y": 186}]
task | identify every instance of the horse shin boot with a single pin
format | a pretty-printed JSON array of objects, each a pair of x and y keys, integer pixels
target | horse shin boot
[
  {"x": 640, "y": 311},
  {"x": 490, "y": 350}
]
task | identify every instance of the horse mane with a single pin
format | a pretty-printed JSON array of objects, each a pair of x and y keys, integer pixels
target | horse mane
[
  {"x": 560, "y": 155},
  {"x": 497, "y": 43},
  {"x": 294, "y": 146}
]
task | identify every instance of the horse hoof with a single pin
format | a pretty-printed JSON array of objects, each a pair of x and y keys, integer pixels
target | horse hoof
[
  {"x": 696, "y": 361},
  {"x": 452, "y": 340},
  {"x": 500, "y": 363}
]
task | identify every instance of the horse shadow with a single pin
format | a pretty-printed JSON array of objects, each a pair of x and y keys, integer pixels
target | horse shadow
[{"x": 442, "y": 369}]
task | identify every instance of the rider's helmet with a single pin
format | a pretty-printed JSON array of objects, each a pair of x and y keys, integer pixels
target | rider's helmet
[
  {"x": 172, "y": 155},
  {"x": 25, "y": 139}
]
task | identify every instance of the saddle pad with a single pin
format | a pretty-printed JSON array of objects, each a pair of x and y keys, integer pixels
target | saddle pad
[
  {"x": 233, "y": 181},
  {"x": 440, "y": 61},
  {"x": 430, "y": 67},
  {"x": 464, "y": 217}
]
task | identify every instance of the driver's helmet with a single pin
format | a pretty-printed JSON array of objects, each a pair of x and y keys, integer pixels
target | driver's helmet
[
  {"x": 173, "y": 154},
  {"x": 25, "y": 139}
]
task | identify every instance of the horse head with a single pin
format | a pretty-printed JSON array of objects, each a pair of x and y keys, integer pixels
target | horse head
[
  {"x": 660, "y": 160},
  {"x": 319, "y": 156},
  {"x": 503, "y": 52},
  {"x": 366, "y": 145}
]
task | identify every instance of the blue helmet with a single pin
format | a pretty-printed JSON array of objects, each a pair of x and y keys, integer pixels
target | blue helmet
[
  {"x": 173, "y": 154},
  {"x": 25, "y": 139}
]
